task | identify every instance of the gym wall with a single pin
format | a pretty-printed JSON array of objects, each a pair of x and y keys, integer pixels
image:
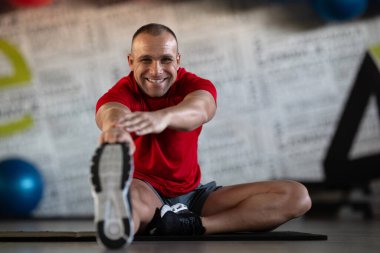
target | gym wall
[{"x": 281, "y": 73}]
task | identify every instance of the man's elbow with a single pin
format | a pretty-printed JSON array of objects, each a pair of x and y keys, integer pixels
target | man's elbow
[{"x": 198, "y": 120}]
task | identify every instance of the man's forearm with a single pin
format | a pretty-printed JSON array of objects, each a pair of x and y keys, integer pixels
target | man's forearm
[
  {"x": 109, "y": 115},
  {"x": 195, "y": 110}
]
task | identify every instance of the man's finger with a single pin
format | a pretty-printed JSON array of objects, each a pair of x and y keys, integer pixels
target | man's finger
[
  {"x": 101, "y": 139},
  {"x": 129, "y": 117},
  {"x": 146, "y": 130},
  {"x": 135, "y": 122},
  {"x": 138, "y": 126},
  {"x": 110, "y": 137},
  {"x": 130, "y": 143}
]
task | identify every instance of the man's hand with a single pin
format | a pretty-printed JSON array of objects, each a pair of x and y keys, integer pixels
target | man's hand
[
  {"x": 143, "y": 123},
  {"x": 117, "y": 134}
]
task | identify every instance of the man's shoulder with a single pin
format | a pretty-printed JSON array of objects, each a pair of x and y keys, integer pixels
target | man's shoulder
[
  {"x": 125, "y": 83},
  {"x": 126, "y": 80},
  {"x": 188, "y": 82},
  {"x": 186, "y": 77},
  {"x": 183, "y": 73}
]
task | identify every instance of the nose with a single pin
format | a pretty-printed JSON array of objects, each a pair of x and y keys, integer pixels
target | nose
[{"x": 156, "y": 68}]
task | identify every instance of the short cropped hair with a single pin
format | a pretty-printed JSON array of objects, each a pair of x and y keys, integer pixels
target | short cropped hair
[{"x": 155, "y": 30}]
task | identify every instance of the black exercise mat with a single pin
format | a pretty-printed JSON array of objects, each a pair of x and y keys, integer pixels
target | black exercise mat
[
  {"x": 46, "y": 236},
  {"x": 247, "y": 236},
  {"x": 87, "y": 236}
]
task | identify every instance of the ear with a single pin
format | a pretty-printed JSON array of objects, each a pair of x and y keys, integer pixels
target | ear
[
  {"x": 130, "y": 61},
  {"x": 178, "y": 59}
]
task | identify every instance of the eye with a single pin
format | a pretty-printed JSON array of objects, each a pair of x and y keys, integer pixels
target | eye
[
  {"x": 145, "y": 60},
  {"x": 166, "y": 60}
]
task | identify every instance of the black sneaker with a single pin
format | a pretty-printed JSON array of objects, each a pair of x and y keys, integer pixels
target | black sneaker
[
  {"x": 111, "y": 176},
  {"x": 176, "y": 220}
]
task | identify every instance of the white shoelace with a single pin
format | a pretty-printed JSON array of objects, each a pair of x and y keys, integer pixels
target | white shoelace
[{"x": 174, "y": 208}]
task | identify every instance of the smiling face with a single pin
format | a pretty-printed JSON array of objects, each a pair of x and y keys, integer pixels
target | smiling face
[{"x": 154, "y": 61}]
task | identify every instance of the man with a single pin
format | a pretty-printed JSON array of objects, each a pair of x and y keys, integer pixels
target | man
[{"x": 156, "y": 114}]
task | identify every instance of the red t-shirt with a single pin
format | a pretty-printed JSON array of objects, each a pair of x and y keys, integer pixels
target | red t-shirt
[{"x": 169, "y": 160}]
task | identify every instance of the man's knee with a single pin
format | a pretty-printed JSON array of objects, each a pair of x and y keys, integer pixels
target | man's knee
[
  {"x": 144, "y": 200},
  {"x": 297, "y": 197}
]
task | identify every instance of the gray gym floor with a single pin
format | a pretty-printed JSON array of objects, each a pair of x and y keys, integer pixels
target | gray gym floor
[{"x": 343, "y": 236}]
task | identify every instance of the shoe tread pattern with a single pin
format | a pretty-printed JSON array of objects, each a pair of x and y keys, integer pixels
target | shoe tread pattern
[{"x": 104, "y": 155}]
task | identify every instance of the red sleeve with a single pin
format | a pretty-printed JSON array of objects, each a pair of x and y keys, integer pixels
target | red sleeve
[
  {"x": 119, "y": 93},
  {"x": 192, "y": 82}
]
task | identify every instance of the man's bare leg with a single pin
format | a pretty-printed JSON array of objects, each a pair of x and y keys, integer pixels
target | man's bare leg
[
  {"x": 144, "y": 204},
  {"x": 255, "y": 206}
]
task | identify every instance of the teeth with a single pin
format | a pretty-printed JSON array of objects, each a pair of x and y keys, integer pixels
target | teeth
[{"x": 155, "y": 80}]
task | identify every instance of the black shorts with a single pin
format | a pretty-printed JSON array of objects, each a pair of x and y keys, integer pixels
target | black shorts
[{"x": 194, "y": 200}]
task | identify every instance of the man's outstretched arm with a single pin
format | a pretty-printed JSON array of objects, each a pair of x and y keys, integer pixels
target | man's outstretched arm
[
  {"x": 107, "y": 118},
  {"x": 197, "y": 108}
]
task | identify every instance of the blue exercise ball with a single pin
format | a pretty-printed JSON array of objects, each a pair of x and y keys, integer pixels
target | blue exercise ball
[
  {"x": 339, "y": 10},
  {"x": 21, "y": 187}
]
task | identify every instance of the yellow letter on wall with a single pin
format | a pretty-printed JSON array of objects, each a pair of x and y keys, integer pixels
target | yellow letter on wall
[{"x": 21, "y": 76}]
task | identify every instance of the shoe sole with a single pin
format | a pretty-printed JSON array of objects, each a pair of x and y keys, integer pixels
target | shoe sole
[{"x": 111, "y": 177}]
